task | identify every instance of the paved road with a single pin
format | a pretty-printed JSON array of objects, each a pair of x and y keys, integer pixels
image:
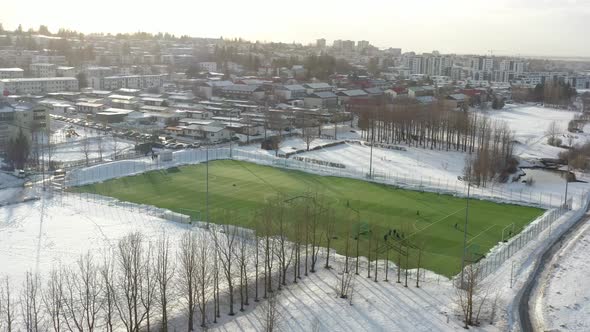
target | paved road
[{"x": 524, "y": 307}]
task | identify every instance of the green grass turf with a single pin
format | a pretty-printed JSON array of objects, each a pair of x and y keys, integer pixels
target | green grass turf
[{"x": 242, "y": 188}]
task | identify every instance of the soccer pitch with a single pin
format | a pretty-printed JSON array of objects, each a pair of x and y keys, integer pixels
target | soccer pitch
[{"x": 429, "y": 220}]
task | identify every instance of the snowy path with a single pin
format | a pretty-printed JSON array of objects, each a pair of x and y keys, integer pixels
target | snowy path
[{"x": 564, "y": 302}]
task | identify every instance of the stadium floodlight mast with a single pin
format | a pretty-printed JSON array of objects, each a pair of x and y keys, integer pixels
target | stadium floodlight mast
[
  {"x": 231, "y": 116},
  {"x": 371, "y": 158},
  {"x": 567, "y": 175},
  {"x": 465, "y": 231},
  {"x": 207, "y": 185},
  {"x": 358, "y": 236}
]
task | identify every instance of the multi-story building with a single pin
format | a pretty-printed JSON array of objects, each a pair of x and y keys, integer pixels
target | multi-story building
[
  {"x": 348, "y": 45},
  {"x": 28, "y": 117},
  {"x": 54, "y": 59},
  {"x": 515, "y": 66},
  {"x": 362, "y": 44},
  {"x": 132, "y": 82},
  {"x": 320, "y": 43},
  {"x": 63, "y": 71},
  {"x": 208, "y": 66},
  {"x": 11, "y": 73},
  {"x": 43, "y": 69},
  {"x": 416, "y": 64},
  {"x": 38, "y": 85}
]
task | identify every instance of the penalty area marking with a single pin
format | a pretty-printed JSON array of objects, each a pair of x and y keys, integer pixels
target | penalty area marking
[{"x": 436, "y": 222}]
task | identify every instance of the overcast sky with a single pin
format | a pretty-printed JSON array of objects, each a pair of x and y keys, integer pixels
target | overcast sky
[{"x": 526, "y": 27}]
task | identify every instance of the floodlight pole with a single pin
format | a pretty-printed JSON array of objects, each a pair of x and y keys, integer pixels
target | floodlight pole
[
  {"x": 465, "y": 233},
  {"x": 231, "y": 116},
  {"x": 371, "y": 158},
  {"x": 207, "y": 185},
  {"x": 567, "y": 175}
]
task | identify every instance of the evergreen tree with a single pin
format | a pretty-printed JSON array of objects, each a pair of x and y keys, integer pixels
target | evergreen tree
[{"x": 18, "y": 150}]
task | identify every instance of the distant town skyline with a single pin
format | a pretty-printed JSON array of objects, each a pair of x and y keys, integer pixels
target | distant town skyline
[{"x": 504, "y": 27}]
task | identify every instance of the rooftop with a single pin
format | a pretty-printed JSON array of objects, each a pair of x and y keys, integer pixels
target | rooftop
[{"x": 38, "y": 79}]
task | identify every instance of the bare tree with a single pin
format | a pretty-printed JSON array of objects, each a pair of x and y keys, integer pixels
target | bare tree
[
  {"x": 225, "y": 241},
  {"x": 345, "y": 281},
  {"x": 30, "y": 302},
  {"x": 552, "y": 132},
  {"x": 8, "y": 317},
  {"x": 82, "y": 299},
  {"x": 164, "y": 269},
  {"x": 115, "y": 146},
  {"x": 53, "y": 299},
  {"x": 319, "y": 212},
  {"x": 204, "y": 274},
  {"x": 188, "y": 266},
  {"x": 243, "y": 258},
  {"x": 329, "y": 231},
  {"x": 130, "y": 278},
  {"x": 100, "y": 146},
  {"x": 110, "y": 294},
  {"x": 149, "y": 285},
  {"x": 284, "y": 249},
  {"x": 472, "y": 295},
  {"x": 271, "y": 313},
  {"x": 420, "y": 249},
  {"x": 85, "y": 149},
  {"x": 309, "y": 135}
]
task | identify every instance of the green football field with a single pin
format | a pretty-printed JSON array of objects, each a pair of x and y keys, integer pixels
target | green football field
[{"x": 428, "y": 220}]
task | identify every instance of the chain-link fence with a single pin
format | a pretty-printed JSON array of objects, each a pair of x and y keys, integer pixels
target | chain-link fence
[
  {"x": 500, "y": 192},
  {"x": 504, "y": 251}
]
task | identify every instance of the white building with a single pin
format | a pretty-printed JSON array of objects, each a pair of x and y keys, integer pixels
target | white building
[
  {"x": 43, "y": 70},
  {"x": 63, "y": 71},
  {"x": 11, "y": 73},
  {"x": 26, "y": 116},
  {"x": 54, "y": 59},
  {"x": 133, "y": 82},
  {"x": 208, "y": 66},
  {"x": 38, "y": 85}
]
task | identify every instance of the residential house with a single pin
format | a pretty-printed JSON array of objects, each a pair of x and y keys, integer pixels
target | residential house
[
  {"x": 291, "y": 91},
  {"x": 243, "y": 91},
  {"x": 318, "y": 87},
  {"x": 456, "y": 101},
  {"x": 419, "y": 91},
  {"x": 325, "y": 99},
  {"x": 345, "y": 96}
]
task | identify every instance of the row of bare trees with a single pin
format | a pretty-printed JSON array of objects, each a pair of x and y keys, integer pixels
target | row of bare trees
[
  {"x": 139, "y": 282},
  {"x": 433, "y": 126},
  {"x": 493, "y": 158},
  {"x": 132, "y": 287}
]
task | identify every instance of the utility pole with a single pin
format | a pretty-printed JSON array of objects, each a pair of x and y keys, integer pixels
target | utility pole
[{"x": 465, "y": 234}]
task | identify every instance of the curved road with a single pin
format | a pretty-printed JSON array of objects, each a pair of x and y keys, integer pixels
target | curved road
[{"x": 524, "y": 308}]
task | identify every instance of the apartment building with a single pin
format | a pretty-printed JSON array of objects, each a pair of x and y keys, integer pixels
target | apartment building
[
  {"x": 42, "y": 85},
  {"x": 21, "y": 116},
  {"x": 43, "y": 70},
  {"x": 59, "y": 60},
  {"x": 132, "y": 82},
  {"x": 11, "y": 73},
  {"x": 63, "y": 71}
]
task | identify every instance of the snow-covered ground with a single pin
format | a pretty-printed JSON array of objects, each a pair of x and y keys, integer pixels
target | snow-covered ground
[
  {"x": 38, "y": 235},
  {"x": 565, "y": 297},
  {"x": 530, "y": 125},
  {"x": 71, "y": 148}
]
